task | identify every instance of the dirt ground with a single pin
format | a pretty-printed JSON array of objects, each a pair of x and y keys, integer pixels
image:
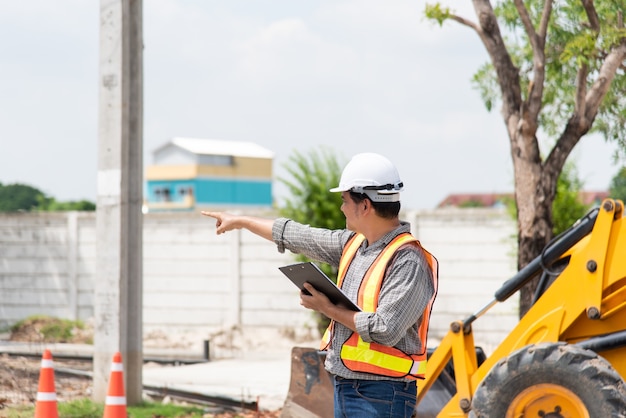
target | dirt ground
[{"x": 19, "y": 379}]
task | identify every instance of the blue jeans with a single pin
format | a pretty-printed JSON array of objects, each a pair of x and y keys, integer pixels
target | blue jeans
[{"x": 374, "y": 398}]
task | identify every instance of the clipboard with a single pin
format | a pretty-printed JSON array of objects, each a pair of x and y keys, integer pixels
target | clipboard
[{"x": 309, "y": 272}]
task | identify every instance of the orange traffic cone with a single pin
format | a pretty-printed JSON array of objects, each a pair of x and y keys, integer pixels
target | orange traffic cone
[
  {"x": 46, "y": 406},
  {"x": 115, "y": 405}
]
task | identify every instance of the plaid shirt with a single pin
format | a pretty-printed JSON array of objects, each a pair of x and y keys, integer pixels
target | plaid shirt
[{"x": 406, "y": 289}]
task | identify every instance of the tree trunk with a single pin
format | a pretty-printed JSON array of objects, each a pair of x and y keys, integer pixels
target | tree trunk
[
  {"x": 531, "y": 241},
  {"x": 534, "y": 194}
]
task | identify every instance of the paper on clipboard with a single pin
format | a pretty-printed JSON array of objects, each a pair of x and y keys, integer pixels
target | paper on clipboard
[{"x": 308, "y": 272}]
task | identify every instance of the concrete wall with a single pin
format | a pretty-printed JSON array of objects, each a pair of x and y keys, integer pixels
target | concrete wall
[
  {"x": 476, "y": 249},
  {"x": 197, "y": 281}
]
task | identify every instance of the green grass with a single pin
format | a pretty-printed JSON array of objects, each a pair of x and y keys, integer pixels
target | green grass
[
  {"x": 151, "y": 410},
  {"x": 51, "y": 329},
  {"x": 85, "y": 408}
]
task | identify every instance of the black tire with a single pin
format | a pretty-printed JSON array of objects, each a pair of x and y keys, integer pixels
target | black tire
[{"x": 575, "y": 379}]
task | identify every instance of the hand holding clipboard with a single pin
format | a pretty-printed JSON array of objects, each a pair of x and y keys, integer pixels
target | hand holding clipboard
[{"x": 309, "y": 272}]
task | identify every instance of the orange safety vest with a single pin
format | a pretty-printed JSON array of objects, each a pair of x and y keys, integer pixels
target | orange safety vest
[{"x": 374, "y": 358}]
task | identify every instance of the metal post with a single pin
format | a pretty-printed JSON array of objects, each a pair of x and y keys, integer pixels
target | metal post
[{"x": 207, "y": 350}]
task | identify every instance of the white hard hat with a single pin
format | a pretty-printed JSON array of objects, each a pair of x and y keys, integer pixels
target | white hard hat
[{"x": 373, "y": 175}]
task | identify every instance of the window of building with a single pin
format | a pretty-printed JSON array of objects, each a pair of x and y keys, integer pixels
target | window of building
[
  {"x": 221, "y": 160},
  {"x": 183, "y": 190},
  {"x": 162, "y": 194}
]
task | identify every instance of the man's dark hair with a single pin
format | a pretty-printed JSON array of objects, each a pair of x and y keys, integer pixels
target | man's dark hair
[{"x": 387, "y": 210}]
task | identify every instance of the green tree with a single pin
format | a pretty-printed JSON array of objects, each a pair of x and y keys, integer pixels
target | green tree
[
  {"x": 310, "y": 202},
  {"x": 617, "y": 189},
  {"x": 567, "y": 207},
  {"x": 24, "y": 198},
  {"x": 558, "y": 73},
  {"x": 311, "y": 176},
  {"x": 51, "y": 205},
  {"x": 19, "y": 198}
]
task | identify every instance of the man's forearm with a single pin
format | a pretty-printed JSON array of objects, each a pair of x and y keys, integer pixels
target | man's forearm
[{"x": 259, "y": 226}]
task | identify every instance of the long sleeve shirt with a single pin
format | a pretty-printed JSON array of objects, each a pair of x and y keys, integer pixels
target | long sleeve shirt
[{"x": 406, "y": 290}]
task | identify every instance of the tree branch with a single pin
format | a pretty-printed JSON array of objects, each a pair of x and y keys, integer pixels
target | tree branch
[
  {"x": 581, "y": 90},
  {"x": 580, "y": 123},
  {"x": 554, "y": 163},
  {"x": 601, "y": 86},
  {"x": 527, "y": 22},
  {"x": 537, "y": 42},
  {"x": 464, "y": 22},
  {"x": 592, "y": 15},
  {"x": 506, "y": 71},
  {"x": 545, "y": 21}
]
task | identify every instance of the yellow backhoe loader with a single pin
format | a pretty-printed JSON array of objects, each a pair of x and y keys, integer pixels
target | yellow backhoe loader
[{"x": 565, "y": 358}]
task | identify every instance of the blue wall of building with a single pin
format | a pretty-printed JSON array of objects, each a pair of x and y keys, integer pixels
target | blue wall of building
[{"x": 207, "y": 191}]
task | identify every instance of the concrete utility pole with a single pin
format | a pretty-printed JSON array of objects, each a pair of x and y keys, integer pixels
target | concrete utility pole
[{"x": 119, "y": 220}]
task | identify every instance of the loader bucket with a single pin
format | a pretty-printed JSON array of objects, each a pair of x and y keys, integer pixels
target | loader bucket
[
  {"x": 436, "y": 398},
  {"x": 439, "y": 394},
  {"x": 311, "y": 388}
]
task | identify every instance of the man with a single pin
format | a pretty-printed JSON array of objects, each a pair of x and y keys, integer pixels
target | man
[{"x": 375, "y": 355}]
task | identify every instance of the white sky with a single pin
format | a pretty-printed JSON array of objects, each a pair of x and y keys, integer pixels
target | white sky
[{"x": 349, "y": 75}]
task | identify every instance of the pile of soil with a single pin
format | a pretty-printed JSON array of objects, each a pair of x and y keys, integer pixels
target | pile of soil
[{"x": 41, "y": 330}]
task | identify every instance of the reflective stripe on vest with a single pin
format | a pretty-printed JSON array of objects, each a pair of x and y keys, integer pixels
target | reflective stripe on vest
[
  {"x": 374, "y": 358},
  {"x": 349, "y": 251}
]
